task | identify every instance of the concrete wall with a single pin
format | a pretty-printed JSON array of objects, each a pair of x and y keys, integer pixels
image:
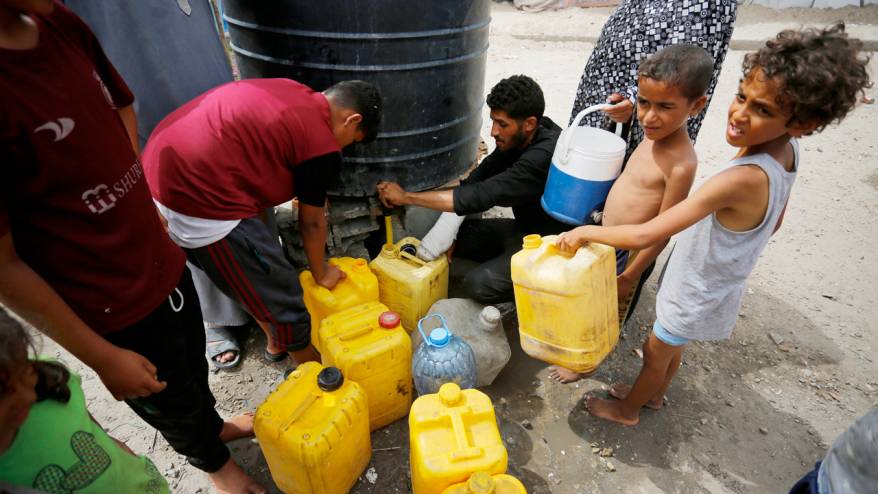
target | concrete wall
[{"x": 817, "y": 4}]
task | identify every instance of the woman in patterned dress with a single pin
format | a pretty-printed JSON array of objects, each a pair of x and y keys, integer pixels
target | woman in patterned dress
[{"x": 635, "y": 30}]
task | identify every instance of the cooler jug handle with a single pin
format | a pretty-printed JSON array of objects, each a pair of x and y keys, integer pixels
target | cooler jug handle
[
  {"x": 421, "y": 329},
  {"x": 568, "y": 134}
]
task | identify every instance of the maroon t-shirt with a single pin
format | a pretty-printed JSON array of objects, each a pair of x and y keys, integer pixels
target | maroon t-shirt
[
  {"x": 72, "y": 191},
  {"x": 231, "y": 152}
]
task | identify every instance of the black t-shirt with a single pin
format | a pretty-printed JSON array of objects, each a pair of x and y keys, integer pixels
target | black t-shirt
[
  {"x": 314, "y": 176},
  {"x": 516, "y": 179}
]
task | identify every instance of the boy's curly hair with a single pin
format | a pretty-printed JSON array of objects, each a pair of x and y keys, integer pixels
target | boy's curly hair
[
  {"x": 519, "y": 96},
  {"x": 822, "y": 72}
]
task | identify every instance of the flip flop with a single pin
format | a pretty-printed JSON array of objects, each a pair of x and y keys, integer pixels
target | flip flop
[
  {"x": 273, "y": 357},
  {"x": 221, "y": 340}
]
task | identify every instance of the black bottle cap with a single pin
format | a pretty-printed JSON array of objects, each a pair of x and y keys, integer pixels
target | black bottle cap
[
  {"x": 330, "y": 379},
  {"x": 409, "y": 249}
]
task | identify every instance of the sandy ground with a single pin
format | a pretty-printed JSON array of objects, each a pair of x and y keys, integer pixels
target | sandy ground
[{"x": 746, "y": 415}]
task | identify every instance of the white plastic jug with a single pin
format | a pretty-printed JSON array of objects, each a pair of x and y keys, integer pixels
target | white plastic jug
[{"x": 586, "y": 163}]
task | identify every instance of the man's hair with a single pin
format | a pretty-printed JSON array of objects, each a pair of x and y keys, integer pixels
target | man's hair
[
  {"x": 519, "y": 96},
  {"x": 687, "y": 67},
  {"x": 821, "y": 72},
  {"x": 363, "y": 98}
]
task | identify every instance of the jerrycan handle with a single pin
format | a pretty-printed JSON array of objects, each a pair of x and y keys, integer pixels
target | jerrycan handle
[
  {"x": 417, "y": 260},
  {"x": 321, "y": 291},
  {"x": 568, "y": 133},
  {"x": 354, "y": 333},
  {"x": 465, "y": 450},
  {"x": 303, "y": 406},
  {"x": 421, "y": 329},
  {"x": 553, "y": 249}
]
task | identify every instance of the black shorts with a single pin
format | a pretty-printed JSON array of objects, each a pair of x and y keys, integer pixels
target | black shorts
[{"x": 249, "y": 266}]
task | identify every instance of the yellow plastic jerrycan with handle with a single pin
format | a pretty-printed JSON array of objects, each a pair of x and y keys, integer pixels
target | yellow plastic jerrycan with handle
[
  {"x": 483, "y": 483},
  {"x": 568, "y": 312},
  {"x": 407, "y": 284},
  {"x": 453, "y": 434},
  {"x": 370, "y": 347},
  {"x": 314, "y": 431},
  {"x": 359, "y": 286}
]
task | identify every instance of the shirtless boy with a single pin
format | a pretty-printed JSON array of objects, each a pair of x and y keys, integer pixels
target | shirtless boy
[{"x": 671, "y": 88}]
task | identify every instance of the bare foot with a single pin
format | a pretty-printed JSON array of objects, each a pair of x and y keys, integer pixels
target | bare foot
[
  {"x": 566, "y": 376},
  {"x": 231, "y": 479},
  {"x": 610, "y": 410},
  {"x": 620, "y": 392},
  {"x": 237, "y": 427}
]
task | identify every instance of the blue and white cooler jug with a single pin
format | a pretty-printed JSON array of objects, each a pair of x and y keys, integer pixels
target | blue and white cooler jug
[{"x": 586, "y": 163}]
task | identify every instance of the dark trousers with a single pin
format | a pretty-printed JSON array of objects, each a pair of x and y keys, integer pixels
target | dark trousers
[
  {"x": 248, "y": 265},
  {"x": 172, "y": 338},
  {"x": 491, "y": 242},
  {"x": 808, "y": 483}
]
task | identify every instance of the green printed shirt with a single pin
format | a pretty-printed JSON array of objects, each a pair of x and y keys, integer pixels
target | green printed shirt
[{"x": 60, "y": 450}]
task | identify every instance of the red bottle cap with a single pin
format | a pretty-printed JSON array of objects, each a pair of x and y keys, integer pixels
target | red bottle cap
[{"x": 388, "y": 320}]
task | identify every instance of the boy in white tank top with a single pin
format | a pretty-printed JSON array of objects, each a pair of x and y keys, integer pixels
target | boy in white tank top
[{"x": 796, "y": 85}]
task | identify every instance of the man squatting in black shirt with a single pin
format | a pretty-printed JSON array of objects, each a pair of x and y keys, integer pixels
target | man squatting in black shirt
[{"x": 514, "y": 175}]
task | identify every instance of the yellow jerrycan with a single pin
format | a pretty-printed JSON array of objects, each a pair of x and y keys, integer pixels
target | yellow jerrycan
[
  {"x": 453, "y": 434},
  {"x": 314, "y": 431},
  {"x": 483, "y": 483},
  {"x": 407, "y": 284},
  {"x": 359, "y": 286},
  {"x": 568, "y": 312},
  {"x": 370, "y": 347}
]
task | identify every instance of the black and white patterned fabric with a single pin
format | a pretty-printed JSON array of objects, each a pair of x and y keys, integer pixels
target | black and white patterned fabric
[{"x": 639, "y": 28}]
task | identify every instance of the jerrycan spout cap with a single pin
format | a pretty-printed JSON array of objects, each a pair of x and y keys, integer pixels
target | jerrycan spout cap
[
  {"x": 480, "y": 483},
  {"x": 360, "y": 266},
  {"x": 388, "y": 250},
  {"x": 388, "y": 320},
  {"x": 532, "y": 241},
  {"x": 490, "y": 318},
  {"x": 330, "y": 379},
  {"x": 449, "y": 394}
]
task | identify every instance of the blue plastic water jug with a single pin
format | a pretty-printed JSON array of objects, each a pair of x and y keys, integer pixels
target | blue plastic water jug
[
  {"x": 442, "y": 358},
  {"x": 586, "y": 163}
]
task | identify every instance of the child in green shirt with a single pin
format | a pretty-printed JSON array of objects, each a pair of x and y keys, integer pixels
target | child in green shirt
[{"x": 48, "y": 440}]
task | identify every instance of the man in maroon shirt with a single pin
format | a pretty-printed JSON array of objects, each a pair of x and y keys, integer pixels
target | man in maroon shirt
[
  {"x": 217, "y": 166},
  {"x": 83, "y": 255}
]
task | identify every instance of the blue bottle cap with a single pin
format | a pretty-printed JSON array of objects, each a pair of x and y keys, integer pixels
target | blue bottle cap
[{"x": 439, "y": 337}]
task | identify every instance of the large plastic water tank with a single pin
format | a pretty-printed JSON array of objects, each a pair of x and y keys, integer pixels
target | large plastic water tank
[{"x": 427, "y": 58}]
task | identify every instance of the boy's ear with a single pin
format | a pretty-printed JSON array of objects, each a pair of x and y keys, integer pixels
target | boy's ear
[
  {"x": 698, "y": 105},
  {"x": 353, "y": 118},
  {"x": 797, "y": 129}
]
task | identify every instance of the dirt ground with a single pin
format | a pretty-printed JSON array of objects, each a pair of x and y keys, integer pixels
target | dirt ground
[{"x": 746, "y": 415}]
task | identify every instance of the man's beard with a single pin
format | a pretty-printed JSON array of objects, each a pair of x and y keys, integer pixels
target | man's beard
[{"x": 516, "y": 141}]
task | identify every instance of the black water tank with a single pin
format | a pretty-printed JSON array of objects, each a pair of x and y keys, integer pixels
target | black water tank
[{"x": 426, "y": 57}]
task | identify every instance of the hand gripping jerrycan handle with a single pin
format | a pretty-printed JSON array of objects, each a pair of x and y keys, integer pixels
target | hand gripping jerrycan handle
[
  {"x": 568, "y": 134},
  {"x": 326, "y": 293},
  {"x": 443, "y": 326}
]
